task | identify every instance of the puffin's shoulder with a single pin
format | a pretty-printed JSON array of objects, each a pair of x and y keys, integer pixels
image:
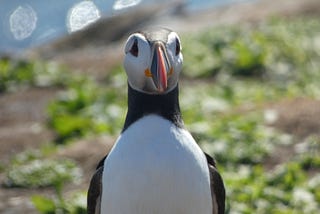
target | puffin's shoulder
[
  {"x": 217, "y": 185},
  {"x": 95, "y": 192}
]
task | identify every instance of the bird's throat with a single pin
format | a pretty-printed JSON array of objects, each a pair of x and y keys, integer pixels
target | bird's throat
[{"x": 165, "y": 105}]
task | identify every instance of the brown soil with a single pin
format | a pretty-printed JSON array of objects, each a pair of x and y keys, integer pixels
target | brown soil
[
  {"x": 22, "y": 120},
  {"x": 22, "y": 127},
  {"x": 300, "y": 117}
]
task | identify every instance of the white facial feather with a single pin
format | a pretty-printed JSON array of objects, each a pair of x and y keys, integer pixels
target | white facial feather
[
  {"x": 176, "y": 60},
  {"x": 136, "y": 66}
]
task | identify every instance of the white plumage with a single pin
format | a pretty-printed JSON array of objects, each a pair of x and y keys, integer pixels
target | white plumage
[{"x": 156, "y": 167}]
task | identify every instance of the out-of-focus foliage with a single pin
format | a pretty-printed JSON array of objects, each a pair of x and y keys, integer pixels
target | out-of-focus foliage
[
  {"x": 87, "y": 108},
  {"x": 76, "y": 205},
  {"x": 18, "y": 73},
  {"x": 34, "y": 170},
  {"x": 30, "y": 170},
  {"x": 278, "y": 50}
]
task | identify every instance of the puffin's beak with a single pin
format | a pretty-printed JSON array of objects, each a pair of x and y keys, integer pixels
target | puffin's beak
[{"x": 160, "y": 66}]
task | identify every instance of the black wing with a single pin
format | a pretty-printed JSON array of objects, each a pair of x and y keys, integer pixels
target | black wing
[
  {"x": 217, "y": 187},
  {"x": 94, "y": 192}
]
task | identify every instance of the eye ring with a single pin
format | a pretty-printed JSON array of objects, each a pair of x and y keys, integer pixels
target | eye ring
[{"x": 134, "y": 50}]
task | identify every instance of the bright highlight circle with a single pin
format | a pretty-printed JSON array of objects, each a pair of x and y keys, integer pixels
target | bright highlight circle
[
  {"x": 81, "y": 15},
  {"x": 23, "y": 22}
]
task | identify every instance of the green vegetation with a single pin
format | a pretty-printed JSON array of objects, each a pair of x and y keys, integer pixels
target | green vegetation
[
  {"x": 15, "y": 74},
  {"x": 30, "y": 170},
  {"x": 87, "y": 108},
  {"x": 76, "y": 205},
  {"x": 236, "y": 71},
  {"x": 276, "y": 50},
  {"x": 34, "y": 170}
]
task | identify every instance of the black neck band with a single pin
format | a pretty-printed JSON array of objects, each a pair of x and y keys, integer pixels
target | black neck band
[{"x": 141, "y": 104}]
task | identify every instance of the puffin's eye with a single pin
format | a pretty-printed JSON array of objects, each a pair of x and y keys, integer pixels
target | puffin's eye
[
  {"x": 134, "y": 49},
  {"x": 178, "y": 48}
]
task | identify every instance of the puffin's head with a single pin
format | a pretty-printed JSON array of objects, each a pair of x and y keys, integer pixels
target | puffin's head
[{"x": 153, "y": 60}]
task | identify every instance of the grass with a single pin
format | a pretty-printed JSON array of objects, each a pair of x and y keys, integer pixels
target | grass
[{"x": 233, "y": 68}]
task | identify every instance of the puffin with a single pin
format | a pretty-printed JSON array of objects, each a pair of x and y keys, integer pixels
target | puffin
[{"x": 155, "y": 165}]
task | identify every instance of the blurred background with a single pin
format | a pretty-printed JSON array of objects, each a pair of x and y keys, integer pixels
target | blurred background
[{"x": 250, "y": 96}]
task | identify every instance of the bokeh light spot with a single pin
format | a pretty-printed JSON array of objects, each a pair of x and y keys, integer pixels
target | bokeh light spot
[
  {"x": 81, "y": 15},
  {"x": 23, "y": 22},
  {"x": 121, "y": 4}
]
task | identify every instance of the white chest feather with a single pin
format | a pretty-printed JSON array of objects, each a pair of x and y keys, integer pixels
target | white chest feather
[{"x": 156, "y": 168}]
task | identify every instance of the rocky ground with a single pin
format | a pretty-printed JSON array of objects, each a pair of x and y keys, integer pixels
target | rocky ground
[{"x": 23, "y": 113}]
